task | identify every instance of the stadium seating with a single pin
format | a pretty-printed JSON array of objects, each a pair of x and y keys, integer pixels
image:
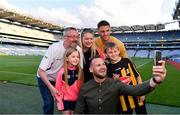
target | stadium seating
[
  {"x": 24, "y": 31},
  {"x": 142, "y": 53},
  {"x": 21, "y": 50},
  {"x": 21, "y": 39},
  {"x": 143, "y": 44},
  {"x": 131, "y": 53}
]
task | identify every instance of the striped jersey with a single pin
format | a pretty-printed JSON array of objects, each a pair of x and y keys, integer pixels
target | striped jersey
[{"x": 124, "y": 68}]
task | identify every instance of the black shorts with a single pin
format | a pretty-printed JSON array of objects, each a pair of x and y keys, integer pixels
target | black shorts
[{"x": 69, "y": 105}]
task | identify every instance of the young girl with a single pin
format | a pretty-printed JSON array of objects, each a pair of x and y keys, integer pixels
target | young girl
[
  {"x": 89, "y": 50},
  {"x": 68, "y": 82}
]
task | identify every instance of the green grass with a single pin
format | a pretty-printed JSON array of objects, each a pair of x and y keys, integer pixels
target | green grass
[
  {"x": 166, "y": 93},
  {"x": 22, "y": 69},
  {"x": 19, "y": 69}
]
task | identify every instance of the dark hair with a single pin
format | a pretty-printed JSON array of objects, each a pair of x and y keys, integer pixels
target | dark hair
[
  {"x": 109, "y": 45},
  {"x": 103, "y": 23},
  {"x": 96, "y": 56}
]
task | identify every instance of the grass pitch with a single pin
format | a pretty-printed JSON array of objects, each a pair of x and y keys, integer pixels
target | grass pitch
[
  {"x": 166, "y": 93},
  {"x": 22, "y": 70},
  {"x": 19, "y": 69}
]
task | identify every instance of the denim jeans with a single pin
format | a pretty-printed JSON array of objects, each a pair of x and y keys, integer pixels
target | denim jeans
[{"x": 48, "y": 101}]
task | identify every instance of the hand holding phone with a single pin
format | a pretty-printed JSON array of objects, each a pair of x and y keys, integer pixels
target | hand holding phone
[{"x": 158, "y": 56}]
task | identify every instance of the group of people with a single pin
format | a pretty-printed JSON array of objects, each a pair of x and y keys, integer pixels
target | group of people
[{"x": 93, "y": 75}]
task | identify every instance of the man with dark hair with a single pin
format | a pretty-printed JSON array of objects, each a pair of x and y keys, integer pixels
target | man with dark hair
[
  {"x": 104, "y": 31},
  {"x": 50, "y": 65},
  {"x": 101, "y": 94}
]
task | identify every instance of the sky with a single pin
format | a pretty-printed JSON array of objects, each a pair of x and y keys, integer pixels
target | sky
[{"x": 87, "y": 13}]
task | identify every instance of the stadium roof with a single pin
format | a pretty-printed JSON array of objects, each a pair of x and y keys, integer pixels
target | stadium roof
[
  {"x": 27, "y": 20},
  {"x": 13, "y": 16},
  {"x": 136, "y": 28}
]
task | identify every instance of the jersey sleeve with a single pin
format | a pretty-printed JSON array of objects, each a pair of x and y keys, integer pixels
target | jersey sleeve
[
  {"x": 47, "y": 60},
  {"x": 123, "y": 51},
  {"x": 135, "y": 71}
]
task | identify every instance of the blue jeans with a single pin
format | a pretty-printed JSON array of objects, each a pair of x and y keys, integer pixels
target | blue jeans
[{"x": 48, "y": 101}]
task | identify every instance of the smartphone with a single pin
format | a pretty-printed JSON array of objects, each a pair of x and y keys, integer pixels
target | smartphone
[{"x": 158, "y": 56}]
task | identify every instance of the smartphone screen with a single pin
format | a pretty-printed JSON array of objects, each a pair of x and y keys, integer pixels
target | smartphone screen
[{"x": 157, "y": 57}]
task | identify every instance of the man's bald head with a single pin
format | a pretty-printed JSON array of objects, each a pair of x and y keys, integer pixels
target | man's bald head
[{"x": 98, "y": 68}]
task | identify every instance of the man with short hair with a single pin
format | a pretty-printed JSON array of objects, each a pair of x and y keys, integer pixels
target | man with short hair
[
  {"x": 50, "y": 65},
  {"x": 101, "y": 94},
  {"x": 104, "y": 31}
]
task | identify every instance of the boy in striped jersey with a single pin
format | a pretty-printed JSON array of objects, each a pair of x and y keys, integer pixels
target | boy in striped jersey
[{"x": 124, "y": 70}]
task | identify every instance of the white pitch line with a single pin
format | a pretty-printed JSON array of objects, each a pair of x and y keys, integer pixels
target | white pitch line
[{"x": 143, "y": 64}]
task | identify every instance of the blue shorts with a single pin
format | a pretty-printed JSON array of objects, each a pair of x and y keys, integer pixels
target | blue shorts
[{"x": 69, "y": 105}]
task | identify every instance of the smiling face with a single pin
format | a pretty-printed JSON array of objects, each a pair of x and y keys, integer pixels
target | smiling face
[
  {"x": 71, "y": 38},
  {"x": 73, "y": 59},
  {"x": 104, "y": 32},
  {"x": 87, "y": 40},
  {"x": 113, "y": 54},
  {"x": 98, "y": 68}
]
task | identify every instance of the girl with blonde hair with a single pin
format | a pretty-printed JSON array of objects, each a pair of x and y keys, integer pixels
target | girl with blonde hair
[{"x": 68, "y": 82}]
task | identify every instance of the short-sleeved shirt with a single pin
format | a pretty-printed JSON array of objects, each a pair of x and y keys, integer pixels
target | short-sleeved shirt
[
  {"x": 100, "y": 43},
  {"x": 53, "y": 60}
]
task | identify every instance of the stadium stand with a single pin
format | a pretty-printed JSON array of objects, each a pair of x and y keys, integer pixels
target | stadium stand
[
  {"x": 24, "y": 35},
  {"x": 145, "y": 43}
]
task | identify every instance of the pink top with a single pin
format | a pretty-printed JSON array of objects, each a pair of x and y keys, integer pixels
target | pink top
[{"x": 69, "y": 93}]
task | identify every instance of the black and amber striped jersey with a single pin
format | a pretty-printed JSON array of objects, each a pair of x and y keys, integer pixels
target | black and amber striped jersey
[{"x": 125, "y": 67}]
